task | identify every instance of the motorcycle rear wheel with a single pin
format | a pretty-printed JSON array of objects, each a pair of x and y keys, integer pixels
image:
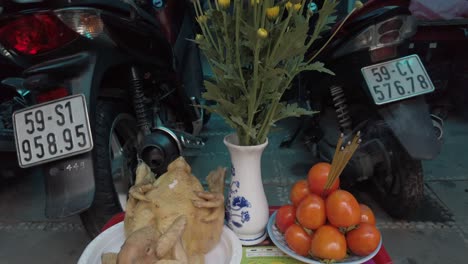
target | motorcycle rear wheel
[
  {"x": 114, "y": 160},
  {"x": 399, "y": 188}
]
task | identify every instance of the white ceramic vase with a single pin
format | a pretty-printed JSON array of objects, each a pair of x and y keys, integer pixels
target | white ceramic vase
[{"x": 246, "y": 205}]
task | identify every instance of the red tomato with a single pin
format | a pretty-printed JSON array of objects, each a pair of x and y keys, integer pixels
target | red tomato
[
  {"x": 311, "y": 212},
  {"x": 299, "y": 191},
  {"x": 285, "y": 217},
  {"x": 298, "y": 239},
  {"x": 363, "y": 240},
  {"x": 328, "y": 243},
  {"x": 367, "y": 216},
  {"x": 342, "y": 209},
  {"x": 317, "y": 178}
]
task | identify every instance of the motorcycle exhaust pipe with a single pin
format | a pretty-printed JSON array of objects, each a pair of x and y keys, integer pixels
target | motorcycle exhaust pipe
[{"x": 159, "y": 148}]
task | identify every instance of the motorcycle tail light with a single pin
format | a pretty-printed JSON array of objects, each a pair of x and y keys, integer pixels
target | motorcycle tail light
[
  {"x": 51, "y": 95},
  {"x": 86, "y": 22},
  {"x": 36, "y": 33},
  {"x": 390, "y": 32}
]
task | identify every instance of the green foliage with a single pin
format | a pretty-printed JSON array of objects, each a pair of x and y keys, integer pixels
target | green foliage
[{"x": 254, "y": 58}]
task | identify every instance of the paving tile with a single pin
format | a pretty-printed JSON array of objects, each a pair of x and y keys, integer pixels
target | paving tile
[
  {"x": 425, "y": 246},
  {"x": 41, "y": 247},
  {"x": 451, "y": 164},
  {"x": 454, "y": 194}
]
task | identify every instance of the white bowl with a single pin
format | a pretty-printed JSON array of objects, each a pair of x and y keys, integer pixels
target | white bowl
[{"x": 228, "y": 249}]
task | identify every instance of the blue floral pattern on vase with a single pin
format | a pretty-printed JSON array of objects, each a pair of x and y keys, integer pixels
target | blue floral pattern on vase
[{"x": 236, "y": 209}]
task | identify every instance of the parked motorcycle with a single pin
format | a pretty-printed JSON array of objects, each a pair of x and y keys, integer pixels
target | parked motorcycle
[
  {"x": 379, "y": 89},
  {"x": 97, "y": 85}
]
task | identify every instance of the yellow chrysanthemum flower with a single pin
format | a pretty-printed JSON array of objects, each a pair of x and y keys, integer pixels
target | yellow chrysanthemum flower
[
  {"x": 358, "y": 4},
  {"x": 224, "y": 3},
  {"x": 272, "y": 12},
  {"x": 297, "y": 7},
  {"x": 262, "y": 33},
  {"x": 288, "y": 5},
  {"x": 202, "y": 19}
]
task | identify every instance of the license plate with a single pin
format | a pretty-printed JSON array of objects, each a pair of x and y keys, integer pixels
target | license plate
[
  {"x": 398, "y": 79},
  {"x": 52, "y": 131}
]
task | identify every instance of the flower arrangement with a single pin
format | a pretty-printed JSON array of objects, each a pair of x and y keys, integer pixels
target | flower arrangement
[{"x": 255, "y": 49}]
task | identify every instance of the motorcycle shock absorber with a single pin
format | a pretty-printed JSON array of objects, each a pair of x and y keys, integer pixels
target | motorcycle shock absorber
[
  {"x": 136, "y": 82},
  {"x": 341, "y": 108}
]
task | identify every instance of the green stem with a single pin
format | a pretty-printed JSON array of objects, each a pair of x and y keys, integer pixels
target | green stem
[
  {"x": 253, "y": 93},
  {"x": 280, "y": 38},
  {"x": 204, "y": 27},
  {"x": 255, "y": 14},
  {"x": 206, "y": 32},
  {"x": 266, "y": 123},
  {"x": 195, "y": 5},
  {"x": 263, "y": 15},
  {"x": 329, "y": 39},
  {"x": 226, "y": 39},
  {"x": 265, "y": 129},
  {"x": 238, "y": 7},
  {"x": 218, "y": 46}
]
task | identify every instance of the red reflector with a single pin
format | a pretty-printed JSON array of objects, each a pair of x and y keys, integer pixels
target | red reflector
[
  {"x": 383, "y": 53},
  {"x": 51, "y": 95},
  {"x": 33, "y": 34}
]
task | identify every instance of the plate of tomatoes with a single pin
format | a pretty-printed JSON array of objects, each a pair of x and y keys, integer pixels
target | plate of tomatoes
[{"x": 324, "y": 226}]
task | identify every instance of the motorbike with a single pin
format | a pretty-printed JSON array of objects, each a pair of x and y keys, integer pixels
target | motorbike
[
  {"x": 379, "y": 89},
  {"x": 90, "y": 88}
]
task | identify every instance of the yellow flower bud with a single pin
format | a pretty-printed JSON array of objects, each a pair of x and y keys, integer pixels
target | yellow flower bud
[
  {"x": 224, "y": 3},
  {"x": 262, "y": 33},
  {"x": 199, "y": 37},
  {"x": 297, "y": 7},
  {"x": 358, "y": 4},
  {"x": 288, "y": 5},
  {"x": 272, "y": 12},
  {"x": 202, "y": 19}
]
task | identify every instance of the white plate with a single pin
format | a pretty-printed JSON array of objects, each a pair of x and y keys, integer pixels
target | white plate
[
  {"x": 278, "y": 239},
  {"x": 397, "y": 79},
  {"x": 228, "y": 249}
]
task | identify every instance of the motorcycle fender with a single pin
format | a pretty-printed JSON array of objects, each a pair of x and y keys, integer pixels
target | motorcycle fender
[
  {"x": 410, "y": 122},
  {"x": 69, "y": 185}
]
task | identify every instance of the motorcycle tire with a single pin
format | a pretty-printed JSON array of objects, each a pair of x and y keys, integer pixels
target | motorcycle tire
[
  {"x": 114, "y": 121},
  {"x": 399, "y": 188}
]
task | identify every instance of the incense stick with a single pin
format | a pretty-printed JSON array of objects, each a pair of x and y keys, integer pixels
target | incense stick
[
  {"x": 335, "y": 156},
  {"x": 341, "y": 158}
]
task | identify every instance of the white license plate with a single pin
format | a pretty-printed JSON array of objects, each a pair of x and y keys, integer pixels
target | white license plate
[
  {"x": 398, "y": 79},
  {"x": 52, "y": 131}
]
